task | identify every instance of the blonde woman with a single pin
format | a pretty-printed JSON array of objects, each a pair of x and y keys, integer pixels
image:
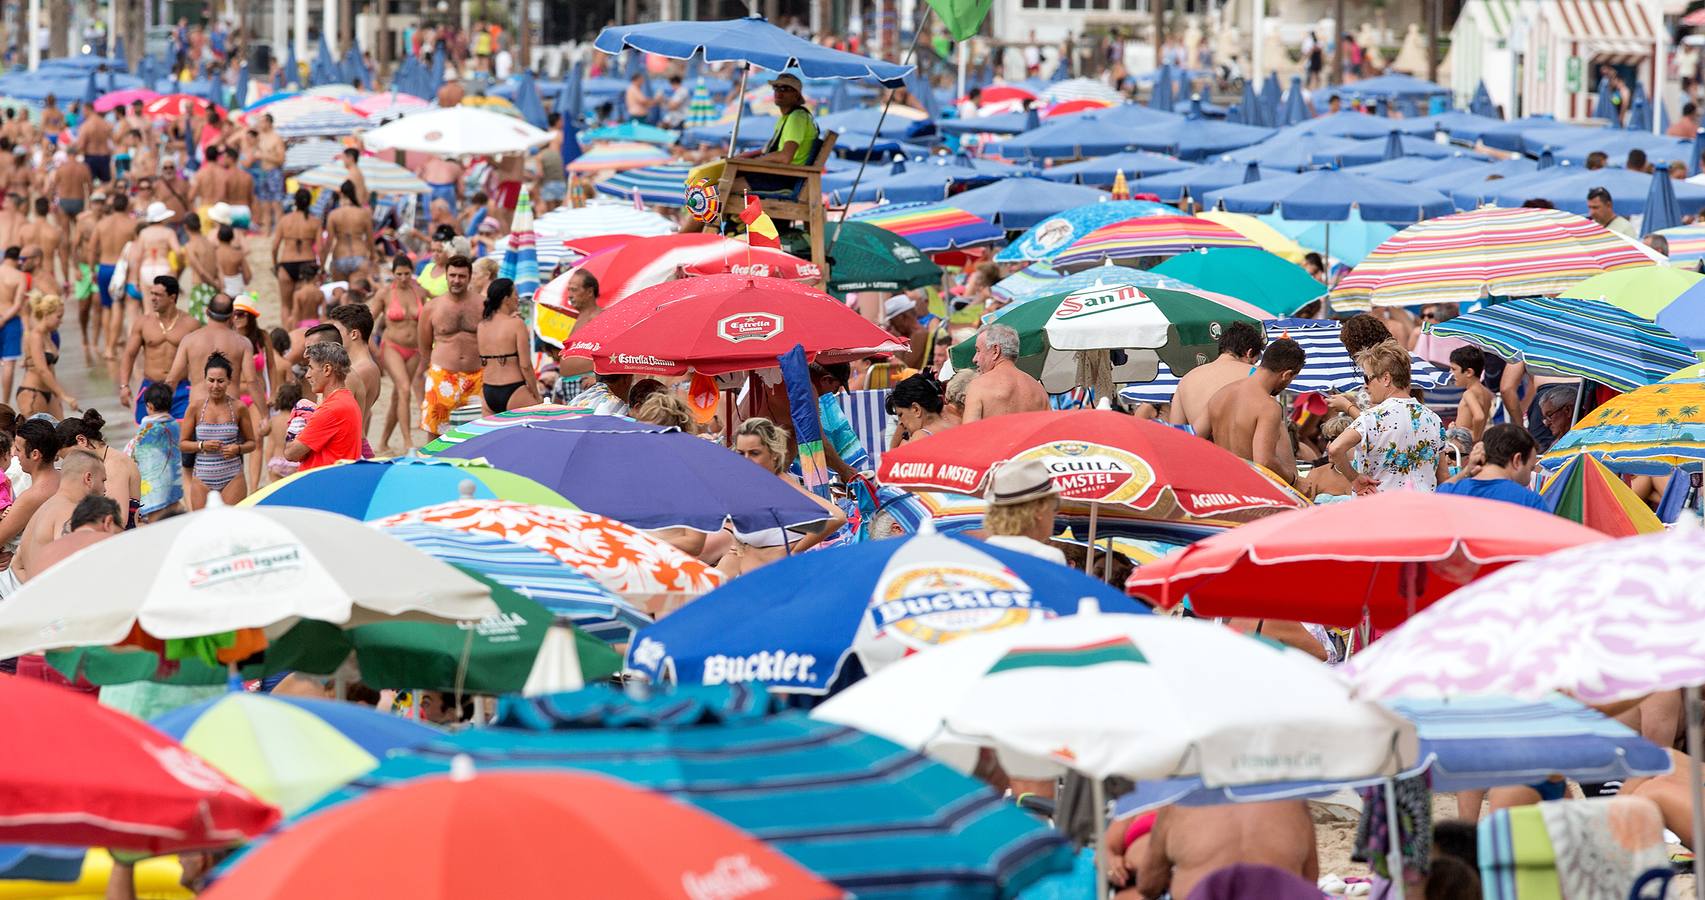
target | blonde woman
[
  {"x": 41, "y": 390},
  {"x": 765, "y": 443},
  {"x": 666, "y": 408},
  {"x": 1023, "y": 502}
]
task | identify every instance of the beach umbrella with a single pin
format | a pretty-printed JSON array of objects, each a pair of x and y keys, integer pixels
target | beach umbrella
[
  {"x": 1481, "y": 104},
  {"x": 1487, "y": 252},
  {"x": 292, "y": 71},
  {"x": 690, "y": 483},
  {"x": 543, "y": 412},
  {"x": 1053, "y": 235},
  {"x": 701, "y": 109},
  {"x": 1349, "y": 241},
  {"x": 878, "y": 605},
  {"x": 1039, "y": 280},
  {"x": 1018, "y": 121},
  {"x": 87, "y": 775},
  {"x": 1330, "y": 196},
  {"x": 307, "y": 154},
  {"x": 1659, "y": 294},
  {"x": 932, "y": 227},
  {"x": 566, "y": 222},
  {"x": 1264, "y": 235},
  {"x": 520, "y": 256},
  {"x": 1097, "y": 458},
  {"x": 919, "y": 182},
  {"x": 1573, "y": 147},
  {"x": 855, "y": 808},
  {"x": 1196, "y": 138},
  {"x": 309, "y": 116},
  {"x": 120, "y": 58},
  {"x": 1412, "y": 169},
  {"x": 528, "y": 102},
  {"x": 570, "y": 596},
  {"x": 1639, "y": 110},
  {"x": 382, "y": 177},
  {"x": 1194, "y": 184},
  {"x": 1247, "y": 273},
  {"x": 863, "y": 257},
  {"x": 1295, "y": 108},
  {"x": 1135, "y": 239},
  {"x": 637, "y": 566},
  {"x": 1686, "y": 242},
  {"x": 615, "y": 157},
  {"x": 1392, "y": 86},
  {"x": 223, "y": 569},
  {"x": 172, "y": 106},
  {"x": 457, "y": 131},
  {"x": 370, "y": 489},
  {"x": 1401, "y": 550},
  {"x": 290, "y": 751},
  {"x": 1285, "y": 152},
  {"x": 1019, "y": 203},
  {"x": 1649, "y": 430},
  {"x": 632, "y": 130},
  {"x": 1079, "y": 89},
  {"x": 1100, "y": 171},
  {"x": 117, "y": 99},
  {"x": 1161, "y": 96},
  {"x": 240, "y": 93},
  {"x": 436, "y": 72},
  {"x": 1585, "y": 491},
  {"x": 498, "y": 814},
  {"x": 1662, "y": 211},
  {"x": 1248, "y": 107},
  {"x": 648, "y": 261},
  {"x": 1391, "y": 146},
  {"x": 1327, "y": 367},
  {"x": 1351, "y": 124},
  {"x": 1567, "y": 190},
  {"x": 1573, "y": 339},
  {"x": 354, "y": 70},
  {"x": 1088, "y": 134},
  {"x": 725, "y": 323}
]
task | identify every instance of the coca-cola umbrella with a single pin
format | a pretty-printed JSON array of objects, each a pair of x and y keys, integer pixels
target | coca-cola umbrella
[
  {"x": 725, "y": 323},
  {"x": 643, "y": 262}
]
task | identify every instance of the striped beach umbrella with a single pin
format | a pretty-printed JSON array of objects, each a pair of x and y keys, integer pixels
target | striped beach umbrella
[
  {"x": 543, "y": 412},
  {"x": 1573, "y": 338},
  {"x": 1668, "y": 296},
  {"x": 1127, "y": 242},
  {"x": 565, "y": 222},
  {"x": 1080, "y": 89},
  {"x": 336, "y": 91},
  {"x": 617, "y": 156},
  {"x": 310, "y": 153},
  {"x": 520, "y": 258},
  {"x": 1051, "y": 236},
  {"x": 1585, "y": 491},
  {"x": 368, "y": 489},
  {"x": 1487, "y": 252},
  {"x": 1264, "y": 235},
  {"x": 632, "y": 130},
  {"x": 663, "y": 185},
  {"x": 315, "y": 117},
  {"x": 701, "y": 110},
  {"x": 1042, "y": 280},
  {"x": 1686, "y": 243},
  {"x": 382, "y": 177},
  {"x": 493, "y": 104},
  {"x": 932, "y": 227},
  {"x": 1650, "y": 430}
]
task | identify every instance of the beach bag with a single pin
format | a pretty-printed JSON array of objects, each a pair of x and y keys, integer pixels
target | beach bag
[{"x": 120, "y": 273}]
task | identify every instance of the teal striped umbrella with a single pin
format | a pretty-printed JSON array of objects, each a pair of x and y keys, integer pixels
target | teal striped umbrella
[
  {"x": 701, "y": 110},
  {"x": 521, "y": 257},
  {"x": 878, "y": 820},
  {"x": 631, "y": 130},
  {"x": 1574, "y": 339},
  {"x": 664, "y": 185},
  {"x": 382, "y": 177}
]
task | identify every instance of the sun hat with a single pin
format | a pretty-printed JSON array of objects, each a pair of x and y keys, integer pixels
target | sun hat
[
  {"x": 1020, "y": 481},
  {"x": 895, "y": 305},
  {"x": 157, "y": 212}
]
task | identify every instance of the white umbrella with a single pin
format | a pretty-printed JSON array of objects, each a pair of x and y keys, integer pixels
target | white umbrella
[
  {"x": 567, "y": 222},
  {"x": 457, "y": 131},
  {"x": 226, "y": 568}
]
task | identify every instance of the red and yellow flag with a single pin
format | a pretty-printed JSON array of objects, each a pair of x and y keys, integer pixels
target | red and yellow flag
[{"x": 760, "y": 231}]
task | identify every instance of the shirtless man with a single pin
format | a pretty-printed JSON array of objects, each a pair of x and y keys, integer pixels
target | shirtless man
[
  {"x": 94, "y": 519},
  {"x": 81, "y": 474},
  {"x": 12, "y": 296},
  {"x": 190, "y": 360},
  {"x": 153, "y": 251},
  {"x": 157, "y": 336},
  {"x": 293, "y": 249},
  {"x": 352, "y": 173},
  {"x": 12, "y": 218},
  {"x": 201, "y": 265},
  {"x": 1189, "y": 842},
  {"x": 71, "y": 183},
  {"x": 349, "y": 229},
  {"x": 83, "y": 257},
  {"x": 509, "y": 171},
  {"x": 52, "y": 117},
  {"x": 208, "y": 185},
  {"x": 450, "y": 343},
  {"x": 1244, "y": 418},
  {"x": 44, "y": 236},
  {"x": 269, "y": 184},
  {"x": 355, "y": 323},
  {"x": 94, "y": 141},
  {"x": 999, "y": 387},
  {"x": 444, "y": 177},
  {"x": 239, "y": 184},
  {"x": 111, "y": 238},
  {"x": 1240, "y": 348},
  {"x": 231, "y": 263}
]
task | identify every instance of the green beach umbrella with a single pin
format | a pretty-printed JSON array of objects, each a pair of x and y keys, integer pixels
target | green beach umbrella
[
  {"x": 1255, "y": 276},
  {"x": 867, "y": 258}
]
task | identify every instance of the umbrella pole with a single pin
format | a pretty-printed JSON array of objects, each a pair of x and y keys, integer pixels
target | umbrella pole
[
  {"x": 739, "y": 109},
  {"x": 1394, "y": 849},
  {"x": 1695, "y": 712},
  {"x": 1089, "y": 545},
  {"x": 1098, "y": 800},
  {"x": 1107, "y": 563}
]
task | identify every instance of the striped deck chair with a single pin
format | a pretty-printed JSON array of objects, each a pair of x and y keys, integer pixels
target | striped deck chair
[{"x": 868, "y": 412}]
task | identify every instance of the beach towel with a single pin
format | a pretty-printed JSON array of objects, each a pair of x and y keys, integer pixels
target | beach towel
[
  {"x": 1603, "y": 844},
  {"x": 1517, "y": 860},
  {"x": 1243, "y": 880},
  {"x": 155, "y": 451}
]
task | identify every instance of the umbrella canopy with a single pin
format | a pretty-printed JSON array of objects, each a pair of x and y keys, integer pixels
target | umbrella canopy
[
  {"x": 373, "y": 488},
  {"x": 566, "y": 222},
  {"x": 725, "y": 323},
  {"x": 223, "y": 569},
  {"x": 1100, "y": 171},
  {"x": 1079, "y": 89},
  {"x": 1196, "y": 183},
  {"x": 616, "y": 157},
  {"x": 932, "y": 227},
  {"x": 1096, "y": 457},
  {"x": 855, "y": 808},
  {"x": 172, "y": 106},
  {"x": 457, "y": 131},
  {"x": 521, "y": 249},
  {"x": 1649, "y": 430},
  {"x": 1453, "y": 169},
  {"x": 1203, "y": 695},
  {"x": 689, "y": 482},
  {"x": 382, "y": 177},
  {"x": 1051, "y": 236},
  {"x": 1661, "y": 294},
  {"x": 863, "y": 257},
  {"x": 117, "y": 99},
  {"x": 1284, "y": 152},
  {"x": 918, "y": 183},
  {"x": 1585, "y": 491},
  {"x": 663, "y": 185},
  {"x": 88, "y": 775},
  {"x": 649, "y": 261},
  {"x": 493, "y": 815},
  {"x": 1686, "y": 243},
  {"x": 1352, "y": 124},
  {"x": 1249, "y": 274},
  {"x": 1264, "y": 235},
  {"x": 1349, "y": 241},
  {"x": 1039, "y": 280},
  {"x": 886, "y": 600},
  {"x": 290, "y": 751},
  {"x": 1327, "y": 367},
  {"x": 1392, "y": 146},
  {"x": 1393, "y": 86},
  {"x": 307, "y": 154},
  {"x": 751, "y": 40},
  {"x": 1019, "y": 203},
  {"x": 1574, "y": 339},
  {"x": 628, "y": 561},
  {"x": 1495, "y": 252},
  {"x": 572, "y": 597},
  {"x": 388, "y": 104},
  {"x": 310, "y": 116},
  {"x": 1130, "y": 241},
  {"x": 1568, "y": 191},
  {"x": 1330, "y": 195},
  {"x": 1402, "y": 549}
]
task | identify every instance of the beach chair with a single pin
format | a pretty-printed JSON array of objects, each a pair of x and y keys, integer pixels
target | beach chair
[
  {"x": 804, "y": 205},
  {"x": 1600, "y": 848}
]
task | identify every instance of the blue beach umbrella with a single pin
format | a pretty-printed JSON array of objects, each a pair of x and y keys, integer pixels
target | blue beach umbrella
[
  {"x": 1639, "y": 110},
  {"x": 1412, "y": 169},
  {"x": 1392, "y": 146},
  {"x": 1248, "y": 107},
  {"x": 1284, "y": 151},
  {"x": 324, "y": 69},
  {"x": 1196, "y": 138},
  {"x": 1161, "y": 96},
  {"x": 1003, "y": 123},
  {"x": 527, "y": 101},
  {"x": 1662, "y": 211},
  {"x": 663, "y": 185},
  {"x": 1567, "y": 190},
  {"x": 1482, "y": 104},
  {"x": 884, "y": 600},
  {"x": 292, "y": 69},
  {"x": 120, "y": 59},
  {"x": 1330, "y": 196},
  {"x": 1271, "y": 102},
  {"x": 1197, "y": 183},
  {"x": 750, "y": 40},
  {"x": 1349, "y": 241},
  {"x": 1295, "y": 110},
  {"x": 521, "y": 254},
  {"x": 1574, "y": 338},
  {"x": 1605, "y": 107},
  {"x": 1019, "y": 203},
  {"x": 1100, "y": 171},
  {"x": 373, "y": 489},
  {"x": 918, "y": 182},
  {"x": 1350, "y": 124},
  {"x": 573, "y": 100},
  {"x": 1047, "y": 238},
  {"x": 242, "y": 91}
]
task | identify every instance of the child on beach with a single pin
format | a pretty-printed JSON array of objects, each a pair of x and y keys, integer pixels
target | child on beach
[{"x": 1475, "y": 410}]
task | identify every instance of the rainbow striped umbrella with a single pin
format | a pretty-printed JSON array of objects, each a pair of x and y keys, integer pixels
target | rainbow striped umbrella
[
  {"x": 309, "y": 116},
  {"x": 1585, "y": 491},
  {"x": 618, "y": 155},
  {"x": 1264, "y": 235},
  {"x": 382, "y": 177},
  {"x": 520, "y": 260},
  {"x": 1686, "y": 243},
  {"x": 932, "y": 227},
  {"x": 1487, "y": 252},
  {"x": 544, "y": 412},
  {"x": 370, "y": 488},
  {"x": 1650, "y": 430},
  {"x": 1124, "y": 243}
]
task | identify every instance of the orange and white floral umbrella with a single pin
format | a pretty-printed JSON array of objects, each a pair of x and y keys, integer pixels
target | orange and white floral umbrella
[{"x": 624, "y": 559}]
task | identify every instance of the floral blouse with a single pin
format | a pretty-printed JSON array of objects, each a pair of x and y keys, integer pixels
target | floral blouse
[{"x": 1401, "y": 441}]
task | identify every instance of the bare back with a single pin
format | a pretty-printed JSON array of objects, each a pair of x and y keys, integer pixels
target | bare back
[
  {"x": 1199, "y": 385},
  {"x": 1003, "y": 390},
  {"x": 297, "y": 233},
  {"x": 45, "y": 526},
  {"x": 111, "y": 234},
  {"x": 1190, "y": 842},
  {"x": 1240, "y": 416}
]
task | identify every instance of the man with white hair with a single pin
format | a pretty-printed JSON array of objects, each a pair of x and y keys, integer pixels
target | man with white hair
[{"x": 1000, "y": 387}]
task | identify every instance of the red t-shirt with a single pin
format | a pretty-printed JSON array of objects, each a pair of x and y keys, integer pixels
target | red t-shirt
[{"x": 333, "y": 432}]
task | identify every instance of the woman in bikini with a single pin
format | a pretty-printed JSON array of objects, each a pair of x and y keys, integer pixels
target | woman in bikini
[
  {"x": 41, "y": 390},
  {"x": 218, "y": 433},
  {"x": 398, "y": 331},
  {"x": 503, "y": 343}
]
